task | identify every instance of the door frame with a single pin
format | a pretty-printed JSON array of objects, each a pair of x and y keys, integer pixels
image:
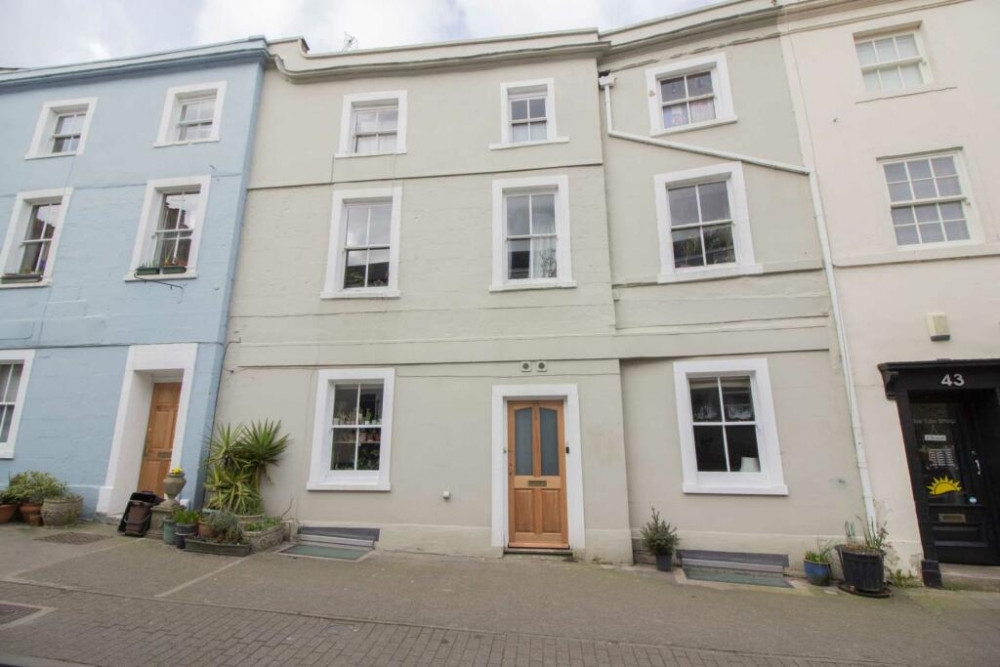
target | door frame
[
  {"x": 499, "y": 515},
  {"x": 920, "y": 377},
  {"x": 145, "y": 366}
]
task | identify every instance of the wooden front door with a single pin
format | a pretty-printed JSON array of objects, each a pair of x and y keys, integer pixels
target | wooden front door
[
  {"x": 536, "y": 474},
  {"x": 159, "y": 437}
]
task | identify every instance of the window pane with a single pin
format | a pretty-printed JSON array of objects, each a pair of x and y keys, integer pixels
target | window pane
[
  {"x": 6, "y": 417},
  {"x": 700, "y": 84},
  {"x": 379, "y": 232},
  {"x": 543, "y": 214},
  {"x": 944, "y": 166},
  {"x": 885, "y": 49},
  {"x": 683, "y": 206},
  {"x": 675, "y": 116},
  {"x": 536, "y": 107},
  {"x": 388, "y": 119},
  {"x": 520, "y": 133},
  {"x": 13, "y": 380},
  {"x": 365, "y": 145},
  {"x": 357, "y": 225},
  {"x": 924, "y": 189},
  {"x": 538, "y": 131},
  {"x": 919, "y": 169},
  {"x": 378, "y": 268},
  {"x": 907, "y": 46},
  {"x": 948, "y": 186},
  {"x": 519, "y": 110},
  {"x": 705, "y": 399},
  {"x": 902, "y": 216},
  {"x": 911, "y": 75},
  {"x": 687, "y": 247},
  {"x": 891, "y": 79},
  {"x": 517, "y": 215},
  {"x": 714, "y": 199},
  {"x": 370, "y": 404},
  {"x": 368, "y": 453},
  {"x": 544, "y": 251},
  {"x": 387, "y": 143},
  {"x": 549, "y": 431},
  {"x": 872, "y": 83},
  {"x": 672, "y": 89},
  {"x": 907, "y": 235},
  {"x": 702, "y": 110},
  {"x": 900, "y": 192},
  {"x": 345, "y": 404},
  {"x": 518, "y": 259},
  {"x": 956, "y": 230},
  {"x": 195, "y": 132},
  {"x": 738, "y": 399},
  {"x": 895, "y": 172},
  {"x": 866, "y": 53},
  {"x": 523, "y": 463},
  {"x": 926, "y": 213},
  {"x": 719, "y": 244},
  {"x": 931, "y": 233},
  {"x": 365, "y": 121},
  {"x": 742, "y": 441},
  {"x": 951, "y": 211},
  {"x": 709, "y": 449},
  {"x": 344, "y": 442},
  {"x": 354, "y": 271}
]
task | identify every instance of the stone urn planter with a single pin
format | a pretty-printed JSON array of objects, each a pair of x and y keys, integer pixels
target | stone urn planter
[
  {"x": 262, "y": 540},
  {"x": 32, "y": 513},
  {"x": 58, "y": 512},
  {"x": 174, "y": 483}
]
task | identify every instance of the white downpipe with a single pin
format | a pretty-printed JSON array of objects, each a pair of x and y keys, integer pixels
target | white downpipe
[{"x": 845, "y": 357}]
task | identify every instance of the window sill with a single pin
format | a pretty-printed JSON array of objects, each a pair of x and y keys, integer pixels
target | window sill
[
  {"x": 736, "y": 489},
  {"x": 346, "y": 486},
  {"x": 906, "y": 92},
  {"x": 6, "y": 455},
  {"x": 927, "y": 253},
  {"x": 362, "y": 294},
  {"x": 45, "y": 282},
  {"x": 342, "y": 156},
  {"x": 526, "y": 144},
  {"x": 692, "y": 275},
  {"x": 42, "y": 156},
  {"x": 533, "y": 285},
  {"x": 164, "y": 144},
  {"x": 724, "y": 120},
  {"x": 160, "y": 277}
]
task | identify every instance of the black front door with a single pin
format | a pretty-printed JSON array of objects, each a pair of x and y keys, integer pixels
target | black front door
[{"x": 953, "y": 475}]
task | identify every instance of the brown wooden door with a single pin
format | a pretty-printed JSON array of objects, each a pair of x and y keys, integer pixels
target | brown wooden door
[
  {"x": 536, "y": 473},
  {"x": 159, "y": 437}
]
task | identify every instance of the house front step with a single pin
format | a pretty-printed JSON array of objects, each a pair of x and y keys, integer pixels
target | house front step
[
  {"x": 521, "y": 551},
  {"x": 971, "y": 577}
]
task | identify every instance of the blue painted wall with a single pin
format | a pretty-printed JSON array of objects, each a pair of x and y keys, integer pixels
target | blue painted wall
[{"x": 82, "y": 324}]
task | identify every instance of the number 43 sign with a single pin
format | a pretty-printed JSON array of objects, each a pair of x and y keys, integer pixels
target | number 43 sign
[{"x": 953, "y": 380}]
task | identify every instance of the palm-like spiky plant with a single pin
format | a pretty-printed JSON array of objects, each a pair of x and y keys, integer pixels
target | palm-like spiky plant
[{"x": 238, "y": 459}]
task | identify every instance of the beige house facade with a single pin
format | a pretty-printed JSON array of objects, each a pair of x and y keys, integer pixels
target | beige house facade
[{"x": 513, "y": 293}]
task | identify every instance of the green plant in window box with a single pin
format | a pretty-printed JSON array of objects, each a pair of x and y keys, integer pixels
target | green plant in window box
[
  {"x": 660, "y": 539},
  {"x": 148, "y": 269},
  {"x": 26, "y": 275}
]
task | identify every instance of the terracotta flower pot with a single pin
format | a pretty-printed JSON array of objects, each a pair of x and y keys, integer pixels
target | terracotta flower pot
[
  {"x": 32, "y": 513},
  {"x": 7, "y": 512}
]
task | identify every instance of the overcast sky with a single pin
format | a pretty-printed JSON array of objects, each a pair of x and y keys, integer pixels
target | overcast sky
[{"x": 35, "y": 33}]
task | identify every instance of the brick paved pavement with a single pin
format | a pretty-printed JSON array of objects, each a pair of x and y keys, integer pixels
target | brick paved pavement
[{"x": 109, "y": 629}]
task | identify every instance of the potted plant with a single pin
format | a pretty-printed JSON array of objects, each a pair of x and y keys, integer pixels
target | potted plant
[
  {"x": 863, "y": 559},
  {"x": 817, "y": 565},
  {"x": 227, "y": 537},
  {"x": 204, "y": 523},
  {"x": 61, "y": 510},
  {"x": 661, "y": 540},
  {"x": 23, "y": 276},
  {"x": 31, "y": 488},
  {"x": 169, "y": 536},
  {"x": 8, "y": 506},
  {"x": 264, "y": 534},
  {"x": 148, "y": 269},
  {"x": 237, "y": 463},
  {"x": 185, "y": 526}
]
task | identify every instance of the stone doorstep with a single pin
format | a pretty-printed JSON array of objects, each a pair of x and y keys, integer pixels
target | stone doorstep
[{"x": 971, "y": 577}]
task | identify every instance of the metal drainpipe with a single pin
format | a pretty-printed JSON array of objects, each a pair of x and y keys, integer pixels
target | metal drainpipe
[{"x": 606, "y": 82}]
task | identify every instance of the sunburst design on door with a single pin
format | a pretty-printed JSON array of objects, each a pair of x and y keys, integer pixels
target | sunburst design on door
[{"x": 941, "y": 485}]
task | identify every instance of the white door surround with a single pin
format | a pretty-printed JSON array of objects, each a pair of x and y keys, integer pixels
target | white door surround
[
  {"x": 146, "y": 365},
  {"x": 574, "y": 457}
]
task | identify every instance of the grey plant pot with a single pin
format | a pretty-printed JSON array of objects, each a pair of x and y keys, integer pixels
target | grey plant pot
[{"x": 665, "y": 562}]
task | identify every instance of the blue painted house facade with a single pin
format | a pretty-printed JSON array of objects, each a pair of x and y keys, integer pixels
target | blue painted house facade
[{"x": 122, "y": 186}]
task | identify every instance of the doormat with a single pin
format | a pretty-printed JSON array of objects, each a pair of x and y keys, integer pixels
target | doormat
[
  {"x": 772, "y": 579},
  {"x": 335, "y": 553},
  {"x": 12, "y": 612},
  {"x": 72, "y": 538}
]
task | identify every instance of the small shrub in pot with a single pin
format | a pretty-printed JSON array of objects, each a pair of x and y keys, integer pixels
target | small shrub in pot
[
  {"x": 31, "y": 488},
  {"x": 185, "y": 525},
  {"x": 817, "y": 565},
  {"x": 661, "y": 540},
  {"x": 863, "y": 558}
]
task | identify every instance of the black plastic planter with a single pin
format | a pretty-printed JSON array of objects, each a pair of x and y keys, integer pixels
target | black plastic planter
[
  {"x": 182, "y": 531},
  {"x": 664, "y": 562},
  {"x": 863, "y": 570}
]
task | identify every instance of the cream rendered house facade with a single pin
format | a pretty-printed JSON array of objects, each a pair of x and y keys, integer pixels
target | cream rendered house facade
[
  {"x": 899, "y": 115},
  {"x": 513, "y": 293}
]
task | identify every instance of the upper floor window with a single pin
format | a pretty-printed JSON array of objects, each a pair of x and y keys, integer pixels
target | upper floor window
[
  {"x": 531, "y": 233},
  {"x": 728, "y": 435},
  {"x": 15, "y": 367},
  {"x": 373, "y": 124},
  {"x": 891, "y": 62},
  {"x": 364, "y": 244},
  {"x": 170, "y": 228},
  {"x": 192, "y": 114},
  {"x": 703, "y": 222},
  {"x": 927, "y": 201},
  {"x": 689, "y": 94},
  {"x": 527, "y": 113},
  {"x": 62, "y": 128},
  {"x": 29, "y": 250}
]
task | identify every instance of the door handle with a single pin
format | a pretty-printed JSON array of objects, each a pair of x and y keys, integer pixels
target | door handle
[{"x": 979, "y": 469}]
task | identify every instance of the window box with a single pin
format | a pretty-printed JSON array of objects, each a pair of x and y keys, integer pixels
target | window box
[{"x": 16, "y": 278}]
